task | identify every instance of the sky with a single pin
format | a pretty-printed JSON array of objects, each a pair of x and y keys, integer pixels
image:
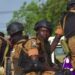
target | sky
[
  {"x": 6, "y": 8},
  {"x": 6, "y": 11}
]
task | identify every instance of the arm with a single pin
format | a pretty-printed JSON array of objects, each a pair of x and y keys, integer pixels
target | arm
[{"x": 59, "y": 33}]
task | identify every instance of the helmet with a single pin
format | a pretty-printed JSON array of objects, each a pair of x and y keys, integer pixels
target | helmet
[
  {"x": 43, "y": 23},
  {"x": 70, "y": 3},
  {"x": 14, "y": 28}
]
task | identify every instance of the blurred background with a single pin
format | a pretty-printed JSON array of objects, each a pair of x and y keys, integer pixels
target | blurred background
[{"x": 29, "y": 12}]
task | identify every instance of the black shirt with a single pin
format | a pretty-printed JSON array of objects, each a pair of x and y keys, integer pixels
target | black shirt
[{"x": 69, "y": 26}]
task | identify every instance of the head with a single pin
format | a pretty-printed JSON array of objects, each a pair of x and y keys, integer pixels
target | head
[
  {"x": 2, "y": 34},
  {"x": 14, "y": 28},
  {"x": 71, "y": 45},
  {"x": 71, "y": 5},
  {"x": 43, "y": 29}
]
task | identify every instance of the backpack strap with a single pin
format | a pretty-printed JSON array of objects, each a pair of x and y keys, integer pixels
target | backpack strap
[
  {"x": 0, "y": 43},
  {"x": 5, "y": 52},
  {"x": 64, "y": 20}
]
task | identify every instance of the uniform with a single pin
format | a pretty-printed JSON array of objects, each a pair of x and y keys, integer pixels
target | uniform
[
  {"x": 17, "y": 40},
  {"x": 5, "y": 50},
  {"x": 17, "y": 47},
  {"x": 68, "y": 25},
  {"x": 34, "y": 46},
  {"x": 68, "y": 20},
  {"x": 37, "y": 51}
]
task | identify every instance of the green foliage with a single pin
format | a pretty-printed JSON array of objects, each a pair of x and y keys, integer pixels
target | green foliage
[{"x": 30, "y": 13}]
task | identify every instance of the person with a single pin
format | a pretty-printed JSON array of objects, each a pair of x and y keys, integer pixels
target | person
[
  {"x": 67, "y": 22},
  {"x": 17, "y": 39},
  {"x": 4, "y": 51},
  {"x": 69, "y": 60},
  {"x": 37, "y": 50}
]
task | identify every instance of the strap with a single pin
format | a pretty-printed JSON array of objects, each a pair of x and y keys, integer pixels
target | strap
[
  {"x": 0, "y": 43},
  {"x": 64, "y": 21},
  {"x": 21, "y": 41},
  {"x": 6, "y": 51}
]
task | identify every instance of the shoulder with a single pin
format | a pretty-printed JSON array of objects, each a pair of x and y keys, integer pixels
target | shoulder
[
  {"x": 63, "y": 15},
  {"x": 63, "y": 18},
  {"x": 3, "y": 40},
  {"x": 32, "y": 42}
]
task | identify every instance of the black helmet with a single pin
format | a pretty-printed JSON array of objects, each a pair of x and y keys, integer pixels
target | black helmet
[
  {"x": 14, "y": 28},
  {"x": 43, "y": 23},
  {"x": 70, "y": 4}
]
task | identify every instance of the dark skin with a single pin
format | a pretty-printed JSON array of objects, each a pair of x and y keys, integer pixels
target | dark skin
[{"x": 44, "y": 34}]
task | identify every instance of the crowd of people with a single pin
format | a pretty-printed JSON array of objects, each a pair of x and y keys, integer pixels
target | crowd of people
[{"x": 21, "y": 55}]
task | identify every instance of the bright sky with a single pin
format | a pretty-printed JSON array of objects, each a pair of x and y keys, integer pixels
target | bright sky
[{"x": 8, "y": 6}]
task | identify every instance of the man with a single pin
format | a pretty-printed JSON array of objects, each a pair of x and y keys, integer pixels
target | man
[
  {"x": 2, "y": 36},
  {"x": 68, "y": 24},
  {"x": 4, "y": 51},
  {"x": 15, "y": 30},
  {"x": 68, "y": 20},
  {"x": 38, "y": 51}
]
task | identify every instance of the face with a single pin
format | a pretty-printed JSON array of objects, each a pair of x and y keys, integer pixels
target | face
[
  {"x": 71, "y": 44},
  {"x": 43, "y": 33}
]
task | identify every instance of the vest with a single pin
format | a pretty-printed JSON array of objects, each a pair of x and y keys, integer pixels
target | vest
[
  {"x": 68, "y": 24},
  {"x": 43, "y": 62},
  {"x": 4, "y": 50},
  {"x": 15, "y": 54}
]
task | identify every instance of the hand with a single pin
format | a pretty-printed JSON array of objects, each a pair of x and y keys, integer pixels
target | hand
[{"x": 59, "y": 30}]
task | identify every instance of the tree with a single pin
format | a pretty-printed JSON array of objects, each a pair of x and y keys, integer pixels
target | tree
[{"x": 30, "y": 13}]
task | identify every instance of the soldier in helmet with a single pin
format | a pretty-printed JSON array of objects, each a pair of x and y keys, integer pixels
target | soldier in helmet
[
  {"x": 68, "y": 24},
  {"x": 15, "y": 30},
  {"x": 38, "y": 50}
]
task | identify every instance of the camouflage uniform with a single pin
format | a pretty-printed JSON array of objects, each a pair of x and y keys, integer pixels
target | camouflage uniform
[
  {"x": 17, "y": 40},
  {"x": 68, "y": 24},
  {"x": 35, "y": 44},
  {"x": 4, "y": 52},
  {"x": 37, "y": 51}
]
